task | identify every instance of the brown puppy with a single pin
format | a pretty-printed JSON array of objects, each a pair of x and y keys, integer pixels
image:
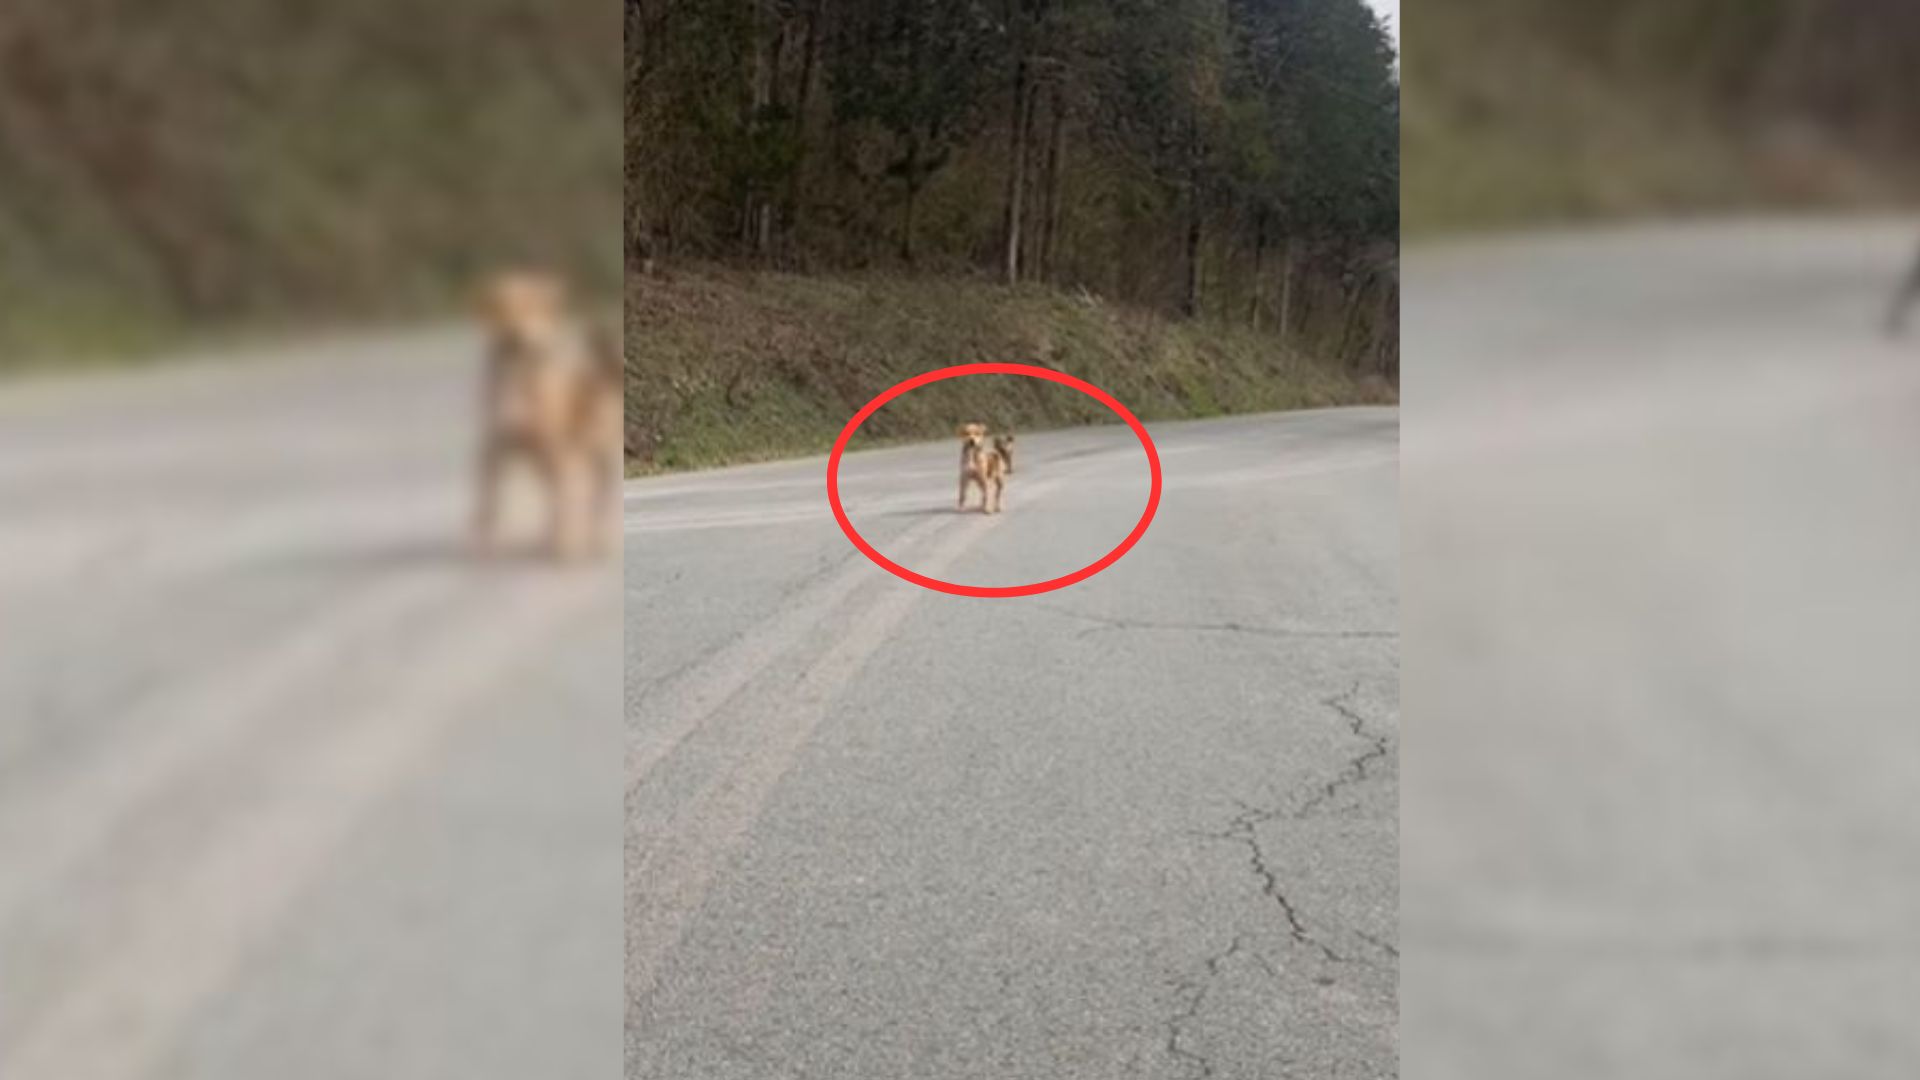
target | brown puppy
[
  {"x": 981, "y": 465},
  {"x": 552, "y": 398}
]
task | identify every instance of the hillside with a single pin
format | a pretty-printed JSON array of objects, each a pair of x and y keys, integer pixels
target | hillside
[
  {"x": 1521, "y": 112},
  {"x": 186, "y": 168},
  {"x": 1190, "y": 203},
  {"x": 743, "y": 366}
]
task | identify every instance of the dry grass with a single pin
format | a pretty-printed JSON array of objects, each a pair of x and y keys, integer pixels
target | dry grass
[
  {"x": 725, "y": 366},
  {"x": 1505, "y": 126},
  {"x": 184, "y": 169}
]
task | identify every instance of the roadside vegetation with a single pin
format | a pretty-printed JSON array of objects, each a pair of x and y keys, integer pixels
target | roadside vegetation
[
  {"x": 175, "y": 170},
  {"x": 1523, "y": 112},
  {"x": 1194, "y": 200},
  {"x": 745, "y": 365}
]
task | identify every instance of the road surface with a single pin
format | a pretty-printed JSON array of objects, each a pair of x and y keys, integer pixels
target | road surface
[
  {"x": 289, "y": 786},
  {"x": 1662, "y": 802},
  {"x": 1142, "y": 827}
]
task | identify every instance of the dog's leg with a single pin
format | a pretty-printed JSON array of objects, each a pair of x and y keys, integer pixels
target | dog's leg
[
  {"x": 606, "y": 515},
  {"x": 555, "y": 477},
  {"x": 571, "y": 490},
  {"x": 586, "y": 486},
  {"x": 486, "y": 506},
  {"x": 961, "y": 502}
]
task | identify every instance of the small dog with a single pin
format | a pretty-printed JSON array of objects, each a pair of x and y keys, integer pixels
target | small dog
[
  {"x": 553, "y": 398},
  {"x": 981, "y": 465}
]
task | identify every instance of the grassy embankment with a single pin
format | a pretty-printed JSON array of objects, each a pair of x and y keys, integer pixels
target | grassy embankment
[
  {"x": 726, "y": 366},
  {"x": 176, "y": 172},
  {"x": 1508, "y": 124}
]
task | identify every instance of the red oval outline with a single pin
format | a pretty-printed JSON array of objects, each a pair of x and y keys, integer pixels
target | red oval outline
[{"x": 1035, "y": 588}]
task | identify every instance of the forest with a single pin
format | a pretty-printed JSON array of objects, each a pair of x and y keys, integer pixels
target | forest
[
  {"x": 1527, "y": 111},
  {"x": 1232, "y": 160},
  {"x": 1848, "y": 67}
]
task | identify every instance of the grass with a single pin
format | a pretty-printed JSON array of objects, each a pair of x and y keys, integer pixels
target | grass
[
  {"x": 239, "y": 166},
  {"x": 727, "y": 366},
  {"x": 1503, "y": 128}
]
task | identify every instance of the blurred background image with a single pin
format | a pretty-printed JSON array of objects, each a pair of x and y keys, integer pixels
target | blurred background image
[
  {"x": 1659, "y": 511},
  {"x": 290, "y": 783}
]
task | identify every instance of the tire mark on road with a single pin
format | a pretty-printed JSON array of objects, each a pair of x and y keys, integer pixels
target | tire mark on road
[
  {"x": 685, "y": 704},
  {"x": 170, "y": 736},
  {"x": 128, "y": 999},
  {"x": 672, "y": 864}
]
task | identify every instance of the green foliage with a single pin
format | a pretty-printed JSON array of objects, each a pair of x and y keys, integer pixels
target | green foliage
[
  {"x": 178, "y": 168},
  {"x": 1093, "y": 136},
  {"x": 731, "y": 366}
]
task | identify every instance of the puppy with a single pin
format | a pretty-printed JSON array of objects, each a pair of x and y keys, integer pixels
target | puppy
[
  {"x": 981, "y": 465},
  {"x": 552, "y": 399},
  {"x": 1003, "y": 445}
]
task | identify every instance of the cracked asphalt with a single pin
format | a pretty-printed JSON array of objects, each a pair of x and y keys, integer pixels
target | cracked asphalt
[{"x": 1142, "y": 827}]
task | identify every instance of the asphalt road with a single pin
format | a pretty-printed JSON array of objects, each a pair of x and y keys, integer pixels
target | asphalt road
[
  {"x": 1142, "y": 827},
  {"x": 289, "y": 786},
  {"x": 1662, "y": 795}
]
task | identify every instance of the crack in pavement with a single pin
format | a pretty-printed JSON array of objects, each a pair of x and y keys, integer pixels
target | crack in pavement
[
  {"x": 1196, "y": 994},
  {"x": 1378, "y": 747},
  {"x": 1243, "y": 830},
  {"x": 1385, "y": 946},
  {"x": 1110, "y": 624}
]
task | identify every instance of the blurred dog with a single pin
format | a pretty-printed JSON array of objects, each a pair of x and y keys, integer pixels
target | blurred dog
[
  {"x": 552, "y": 399},
  {"x": 982, "y": 466}
]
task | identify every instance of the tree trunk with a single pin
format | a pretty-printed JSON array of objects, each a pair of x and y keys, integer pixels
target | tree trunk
[
  {"x": 1190, "y": 305},
  {"x": 768, "y": 102},
  {"x": 1050, "y": 223},
  {"x": 906, "y": 222},
  {"x": 1259, "y": 260},
  {"x": 1013, "y": 221},
  {"x": 911, "y": 173},
  {"x": 1286, "y": 293},
  {"x": 1347, "y": 323},
  {"x": 803, "y": 102},
  {"x": 1036, "y": 183}
]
